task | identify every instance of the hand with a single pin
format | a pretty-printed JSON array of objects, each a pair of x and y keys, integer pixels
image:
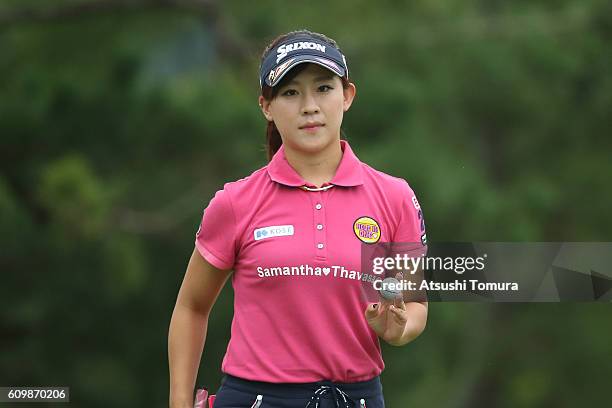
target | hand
[{"x": 388, "y": 320}]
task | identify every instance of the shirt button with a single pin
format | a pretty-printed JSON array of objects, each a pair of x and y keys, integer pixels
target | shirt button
[
  {"x": 319, "y": 226},
  {"x": 320, "y": 246},
  {"x": 318, "y": 206}
]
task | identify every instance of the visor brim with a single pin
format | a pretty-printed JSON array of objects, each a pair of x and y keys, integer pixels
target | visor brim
[{"x": 314, "y": 59}]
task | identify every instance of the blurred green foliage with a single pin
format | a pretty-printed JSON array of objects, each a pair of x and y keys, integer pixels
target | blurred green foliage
[{"x": 119, "y": 121}]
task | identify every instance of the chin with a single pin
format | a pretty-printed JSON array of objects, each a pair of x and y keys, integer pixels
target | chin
[{"x": 312, "y": 144}]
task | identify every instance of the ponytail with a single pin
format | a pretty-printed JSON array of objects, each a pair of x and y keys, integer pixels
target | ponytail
[{"x": 273, "y": 140}]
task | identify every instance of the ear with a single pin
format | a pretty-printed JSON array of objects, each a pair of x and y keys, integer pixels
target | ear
[
  {"x": 265, "y": 108},
  {"x": 349, "y": 95}
]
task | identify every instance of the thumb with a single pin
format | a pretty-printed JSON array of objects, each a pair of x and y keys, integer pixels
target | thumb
[{"x": 372, "y": 310}]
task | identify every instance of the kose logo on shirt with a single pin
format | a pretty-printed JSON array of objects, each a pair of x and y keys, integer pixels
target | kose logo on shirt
[{"x": 273, "y": 231}]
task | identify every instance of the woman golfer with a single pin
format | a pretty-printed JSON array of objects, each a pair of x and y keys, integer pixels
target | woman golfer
[{"x": 292, "y": 232}]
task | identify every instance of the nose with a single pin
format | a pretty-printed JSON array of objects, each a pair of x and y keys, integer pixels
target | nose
[{"x": 309, "y": 104}]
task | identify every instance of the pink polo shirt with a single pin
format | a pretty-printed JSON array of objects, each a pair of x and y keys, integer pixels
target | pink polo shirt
[{"x": 298, "y": 309}]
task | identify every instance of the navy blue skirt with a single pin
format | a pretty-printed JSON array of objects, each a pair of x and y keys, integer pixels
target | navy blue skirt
[{"x": 236, "y": 392}]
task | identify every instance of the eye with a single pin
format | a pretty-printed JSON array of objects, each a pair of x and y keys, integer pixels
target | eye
[
  {"x": 325, "y": 88},
  {"x": 289, "y": 92}
]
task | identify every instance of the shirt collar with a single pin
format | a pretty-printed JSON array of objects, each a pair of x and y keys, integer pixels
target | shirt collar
[{"x": 348, "y": 174}]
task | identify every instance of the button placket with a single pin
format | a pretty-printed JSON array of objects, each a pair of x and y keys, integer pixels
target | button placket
[{"x": 320, "y": 241}]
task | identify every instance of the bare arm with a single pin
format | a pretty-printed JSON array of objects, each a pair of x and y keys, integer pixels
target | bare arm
[
  {"x": 199, "y": 291},
  {"x": 415, "y": 322}
]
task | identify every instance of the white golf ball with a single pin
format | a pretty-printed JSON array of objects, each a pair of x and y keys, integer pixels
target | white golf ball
[{"x": 386, "y": 291}]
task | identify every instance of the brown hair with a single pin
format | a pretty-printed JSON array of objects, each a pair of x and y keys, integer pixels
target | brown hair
[{"x": 273, "y": 137}]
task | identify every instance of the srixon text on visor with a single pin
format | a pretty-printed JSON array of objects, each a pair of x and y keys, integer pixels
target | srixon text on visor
[{"x": 284, "y": 49}]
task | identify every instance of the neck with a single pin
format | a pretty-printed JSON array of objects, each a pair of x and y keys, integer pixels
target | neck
[{"x": 316, "y": 169}]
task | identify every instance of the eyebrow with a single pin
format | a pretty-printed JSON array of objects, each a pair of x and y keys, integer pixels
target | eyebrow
[{"x": 325, "y": 77}]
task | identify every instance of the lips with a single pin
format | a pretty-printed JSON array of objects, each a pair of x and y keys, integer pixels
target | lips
[{"x": 312, "y": 125}]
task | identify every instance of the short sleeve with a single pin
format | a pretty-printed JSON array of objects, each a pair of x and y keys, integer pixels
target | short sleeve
[
  {"x": 216, "y": 237},
  {"x": 411, "y": 225}
]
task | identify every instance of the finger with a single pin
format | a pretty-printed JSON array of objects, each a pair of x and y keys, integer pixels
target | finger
[
  {"x": 399, "y": 303},
  {"x": 381, "y": 309},
  {"x": 399, "y": 315}
]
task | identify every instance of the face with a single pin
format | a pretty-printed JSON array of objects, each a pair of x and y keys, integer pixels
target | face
[{"x": 308, "y": 110}]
